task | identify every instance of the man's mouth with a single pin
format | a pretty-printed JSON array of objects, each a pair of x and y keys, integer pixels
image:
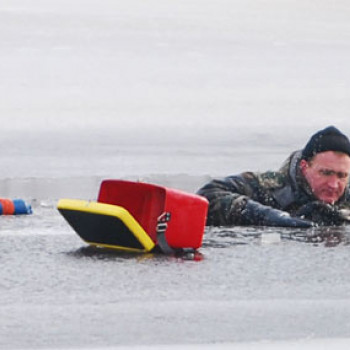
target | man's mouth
[{"x": 332, "y": 196}]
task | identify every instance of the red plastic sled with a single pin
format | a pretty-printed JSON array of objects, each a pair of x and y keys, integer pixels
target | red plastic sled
[
  {"x": 136, "y": 216},
  {"x": 170, "y": 217}
]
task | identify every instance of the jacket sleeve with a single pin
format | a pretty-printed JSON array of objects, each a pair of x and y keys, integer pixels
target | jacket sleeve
[
  {"x": 243, "y": 200},
  {"x": 227, "y": 198}
]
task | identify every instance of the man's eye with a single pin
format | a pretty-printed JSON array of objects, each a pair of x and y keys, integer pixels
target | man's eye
[
  {"x": 326, "y": 172},
  {"x": 339, "y": 174},
  {"x": 342, "y": 175}
]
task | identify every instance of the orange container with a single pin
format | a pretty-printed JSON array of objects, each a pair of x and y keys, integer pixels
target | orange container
[
  {"x": 164, "y": 213},
  {"x": 7, "y": 206}
]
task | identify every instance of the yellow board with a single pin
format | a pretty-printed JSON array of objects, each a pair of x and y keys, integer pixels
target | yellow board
[{"x": 105, "y": 225}]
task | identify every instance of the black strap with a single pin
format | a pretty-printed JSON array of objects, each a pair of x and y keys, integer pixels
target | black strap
[{"x": 162, "y": 225}]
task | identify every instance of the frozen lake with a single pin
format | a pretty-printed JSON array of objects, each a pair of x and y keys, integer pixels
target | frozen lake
[
  {"x": 245, "y": 284},
  {"x": 172, "y": 93}
]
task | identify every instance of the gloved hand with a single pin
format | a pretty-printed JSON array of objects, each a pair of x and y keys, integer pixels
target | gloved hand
[
  {"x": 255, "y": 213},
  {"x": 324, "y": 214}
]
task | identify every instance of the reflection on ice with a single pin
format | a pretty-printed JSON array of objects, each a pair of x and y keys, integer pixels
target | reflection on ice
[
  {"x": 221, "y": 237},
  {"x": 113, "y": 254},
  {"x": 328, "y": 236}
]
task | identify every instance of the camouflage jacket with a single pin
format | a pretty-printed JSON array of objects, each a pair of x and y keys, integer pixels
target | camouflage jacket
[{"x": 285, "y": 189}]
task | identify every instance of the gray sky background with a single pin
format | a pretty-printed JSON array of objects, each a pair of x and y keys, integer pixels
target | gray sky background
[{"x": 187, "y": 65}]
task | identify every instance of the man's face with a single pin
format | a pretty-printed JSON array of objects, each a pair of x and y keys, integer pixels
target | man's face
[{"x": 327, "y": 174}]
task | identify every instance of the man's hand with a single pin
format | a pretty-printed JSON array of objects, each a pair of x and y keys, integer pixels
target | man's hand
[
  {"x": 345, "y": 214},
  {"x": 324, "y": 214},
  {"x": 256, "y": 213}
]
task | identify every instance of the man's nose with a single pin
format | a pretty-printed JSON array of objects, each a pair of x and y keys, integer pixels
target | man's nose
[{"x": 333, "y": 181}]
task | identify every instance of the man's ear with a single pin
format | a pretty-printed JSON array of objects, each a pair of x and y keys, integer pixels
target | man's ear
[{"x": 303, "y": 166}]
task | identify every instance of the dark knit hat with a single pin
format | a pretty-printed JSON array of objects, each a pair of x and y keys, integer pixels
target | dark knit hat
[{"x": 328, "y": 139}]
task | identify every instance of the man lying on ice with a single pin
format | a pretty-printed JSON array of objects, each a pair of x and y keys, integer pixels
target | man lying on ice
[{"x": 310, "y": 189}]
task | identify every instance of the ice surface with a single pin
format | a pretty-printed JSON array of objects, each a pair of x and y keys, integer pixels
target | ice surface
[
  {"x": 173, "y": 93},
  {"x": 319, "y": 344}
]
